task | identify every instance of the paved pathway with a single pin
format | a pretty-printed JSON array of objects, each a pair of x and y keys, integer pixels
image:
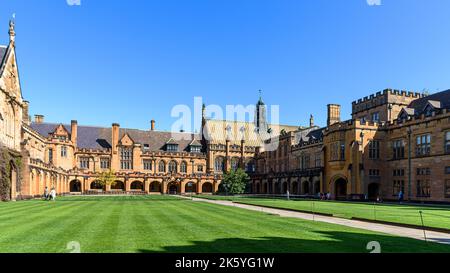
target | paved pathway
[{"x": 438, "y": 237}]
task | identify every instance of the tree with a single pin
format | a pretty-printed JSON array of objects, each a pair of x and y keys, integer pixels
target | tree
[
  {"x": 234, "y": 182},
  {"x": 107, "y": 178}
]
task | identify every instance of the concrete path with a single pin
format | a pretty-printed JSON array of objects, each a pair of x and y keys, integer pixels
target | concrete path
[{"x": 432, "y": 236}]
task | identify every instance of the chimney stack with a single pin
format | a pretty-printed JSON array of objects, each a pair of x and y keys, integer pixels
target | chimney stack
[
  {"x": 74, "y": 131},
  {"x": 39, "y": 119},
  {"x": 115, "y": 135},
  {"x": 153, "y": 125},
  {"x": 25, "y": 115},
  {"x": 334, "y": 114}
]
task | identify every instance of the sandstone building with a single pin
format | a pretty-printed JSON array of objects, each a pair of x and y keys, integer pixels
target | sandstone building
[{"x": 395, "y": 141}]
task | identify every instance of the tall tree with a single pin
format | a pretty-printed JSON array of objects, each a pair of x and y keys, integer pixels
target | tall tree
[{"x": 234, "y": 182}]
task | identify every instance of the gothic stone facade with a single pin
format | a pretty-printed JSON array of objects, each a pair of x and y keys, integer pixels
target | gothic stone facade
[{"x": 396, "y": 141}]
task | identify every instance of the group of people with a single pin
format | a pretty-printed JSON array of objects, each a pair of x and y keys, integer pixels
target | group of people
[
  {"x": 50, "y": 195},
  {"x": 324, "y": 196}
]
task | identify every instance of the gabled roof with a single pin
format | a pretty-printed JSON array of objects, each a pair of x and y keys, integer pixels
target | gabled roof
[
  {"x": 91, "y": 137},
  {"x": 195, "y": 142},
  {"x": 439, "y": 100}
]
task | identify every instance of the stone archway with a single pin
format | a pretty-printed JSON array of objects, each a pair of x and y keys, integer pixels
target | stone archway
[
  {"x": 155, "y": 186},
  {"x": 75, "y": 186},
  {"x": 294, "y": 186},
  {"x": 265, "y": 190},
  {"x": 137, "y": 186},
  {"x": 118, "y": 186},
  {"x": 373, "y": 191},
  {"x": 340, "y": 189},
  {"x": 258, "y": 188},
  {"x": 207, "y": 187},
  {"x": 305, "y": 188},
  {"x": 190, "y": 187},
  {"x": 97, "y": 185},
  {"x": 284, "y": 187},
  {"x": 173, "y": 188}
]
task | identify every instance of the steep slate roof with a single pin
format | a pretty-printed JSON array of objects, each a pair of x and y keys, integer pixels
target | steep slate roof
[
  {"x": 442, "y": 97},
  {"x": 218, "y": 133},
  {"x": 91, "y": 137},
  {"x": 310, "y": 134},
  {"x": 3, "y": 53}
]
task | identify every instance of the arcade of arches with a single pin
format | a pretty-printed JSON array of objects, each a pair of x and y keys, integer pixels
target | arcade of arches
[{"x": 150, "y": 187}]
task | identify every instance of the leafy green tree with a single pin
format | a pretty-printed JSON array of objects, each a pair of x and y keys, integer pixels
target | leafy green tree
[
  {"x": 107, "y": 178},
  {"x": 234, "y": 182}
]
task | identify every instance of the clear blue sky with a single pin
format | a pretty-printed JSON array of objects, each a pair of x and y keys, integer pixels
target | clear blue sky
[{"x": 132, "y": 61}]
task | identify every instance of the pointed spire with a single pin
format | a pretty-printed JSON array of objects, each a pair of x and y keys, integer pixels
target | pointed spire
[
  {"x": 311, "y": 121},
  {"x": 12, "y": 31},
  {"x": 260, "y": 101}
]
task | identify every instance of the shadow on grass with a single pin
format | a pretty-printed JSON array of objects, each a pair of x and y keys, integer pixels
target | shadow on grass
[{"x": 327, "y": 242}]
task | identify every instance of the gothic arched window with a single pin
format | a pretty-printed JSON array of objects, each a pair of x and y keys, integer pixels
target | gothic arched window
[
  {"x": 183, "y": 167},
  {"x": 172, "y": 167},
  {"x": 219, "y": 164}
]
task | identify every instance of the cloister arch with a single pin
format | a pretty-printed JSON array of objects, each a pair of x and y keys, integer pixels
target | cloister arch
[
  {"x": 173, "y": 188},
  {"x": 75, "y": 186},
  {"x": 207, "y": 187},
  {"x": 97, "y": 185},
  {"x": 305, "y": 187},
  {"x": 137, "y": 186},
  {"x": 295, "y": 187},
  {"x": 190, "y": 187},
  {"x": 155, "y": 186},
  {"x": 118, "y": 186},
  {"x": 340, "y": 188}
]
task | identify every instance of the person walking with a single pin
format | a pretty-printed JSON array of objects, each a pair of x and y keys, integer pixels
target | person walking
[
  {"x": 46, "y": 193},
  {"x": 53, "y": 194},
  {"x": 400, "y": 197}
]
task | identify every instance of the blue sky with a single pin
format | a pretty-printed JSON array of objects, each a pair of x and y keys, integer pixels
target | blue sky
[{"x": 132, "y": 61}]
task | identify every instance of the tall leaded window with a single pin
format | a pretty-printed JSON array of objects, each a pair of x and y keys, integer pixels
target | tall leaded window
[
  {"x": 234, "y": 163},
  {"x": 374, "y": 149},
  {"x": 50, "y": 155},
  {"x": 84, "y": 162},
  {"x": 162, "y": 167},
  {"x": 376, "y": 117},
  {"x": 104, "y": 163},
  {"x": 126, "y": 158},
  {"x": 398, "y": 149},
  {"x": 318, "y": 160},
  {"x": 219, "y": 164},
  {"x": 447, "y": 142},
  {"x": 398, "y": 186},
  {"x": 423, "y": 145},
  {"x": 337, "y": 150},
  {"x": 423, "y": 188},
  {"x": 63, "y": 151},
  {"x": 147, "y": 163},
  {"x": 172, "y": 167},
  {"x": 183, "y": 167}
]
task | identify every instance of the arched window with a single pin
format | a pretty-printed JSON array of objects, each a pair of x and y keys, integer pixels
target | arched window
[
  {"x": 219, "y": 165},
  {"x": 162, "y": 167},
  {"x": 183, "y": 167},
  {"x": 172, "y": 167},
  {"x": 234, "y": 163}
]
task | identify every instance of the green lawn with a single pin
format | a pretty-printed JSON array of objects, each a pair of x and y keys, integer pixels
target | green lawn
[
  {"x": 170, "y": 224},
  {"x": 434, "y": 216}
]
